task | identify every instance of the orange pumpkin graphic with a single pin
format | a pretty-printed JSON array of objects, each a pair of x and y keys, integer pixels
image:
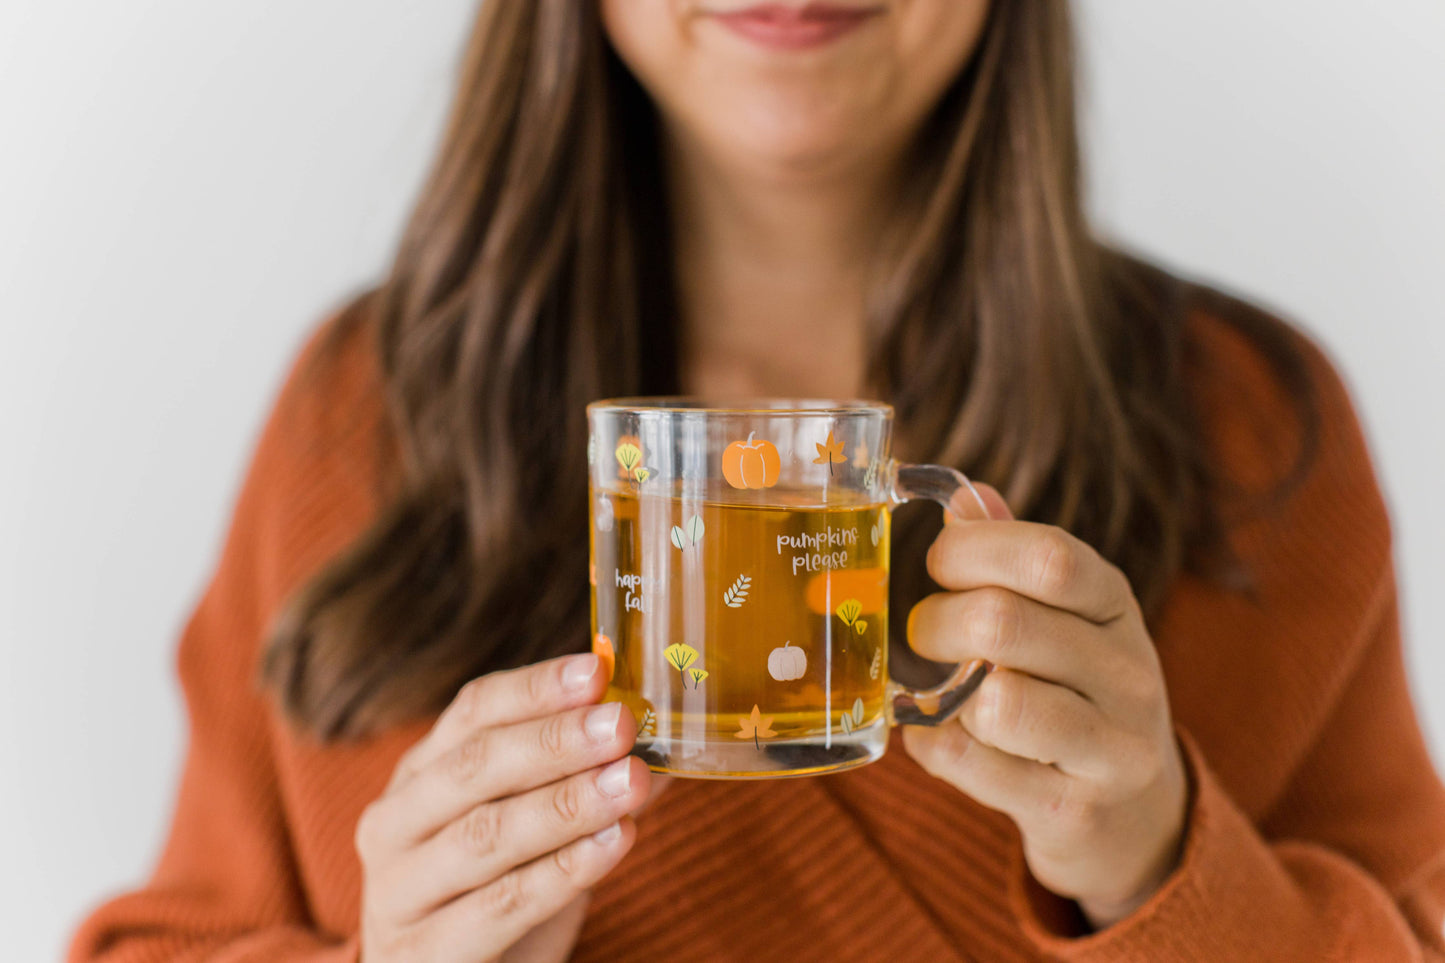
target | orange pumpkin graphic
[
  {"x": 602, "y": 645},
  {"x": 868, "y": 585},
  {"x": 751, "y": 464}
]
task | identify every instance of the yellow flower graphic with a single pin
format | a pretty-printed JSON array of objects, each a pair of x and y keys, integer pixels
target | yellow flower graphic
[
  {"x": 628, "y": 456},
  {"x": 680, "y": 655}
]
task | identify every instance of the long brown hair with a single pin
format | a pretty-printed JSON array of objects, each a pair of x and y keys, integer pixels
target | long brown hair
[{"x": 535, "y": 276}]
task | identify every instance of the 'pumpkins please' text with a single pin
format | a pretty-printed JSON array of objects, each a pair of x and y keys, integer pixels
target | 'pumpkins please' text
[{"x": 827, "y": 549}]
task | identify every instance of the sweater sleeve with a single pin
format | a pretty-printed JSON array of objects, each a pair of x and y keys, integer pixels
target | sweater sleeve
[
  {"x": 226, "y": 886},
  {"x": 1351, "y": 866}
]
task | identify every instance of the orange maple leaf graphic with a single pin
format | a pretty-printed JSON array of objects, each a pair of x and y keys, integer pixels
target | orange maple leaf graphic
[
  {"x": 829, "y": 451},
  {"x": 860, "y": 455},
  {"x": 754, "y": 726}
]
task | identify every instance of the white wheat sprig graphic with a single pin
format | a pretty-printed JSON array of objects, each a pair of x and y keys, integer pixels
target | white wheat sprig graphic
[{"x": 737, "y": 593}]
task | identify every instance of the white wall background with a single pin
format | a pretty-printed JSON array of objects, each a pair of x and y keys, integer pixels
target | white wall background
[{"x": 186, "y": 187}]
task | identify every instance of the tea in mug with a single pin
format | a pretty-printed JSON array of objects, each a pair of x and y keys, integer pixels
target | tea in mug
[{"x": 744, "y": 637}]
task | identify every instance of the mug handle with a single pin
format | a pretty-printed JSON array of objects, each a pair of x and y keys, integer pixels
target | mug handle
[{"x": 951, "y": 489}]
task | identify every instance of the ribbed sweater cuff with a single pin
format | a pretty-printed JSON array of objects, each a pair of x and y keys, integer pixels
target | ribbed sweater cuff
[
  {"x": 1228, "y": 892},
  {"x": 289, "y": 945}
]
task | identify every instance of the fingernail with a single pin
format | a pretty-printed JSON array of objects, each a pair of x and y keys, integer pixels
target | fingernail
[
  {"x": 578, "y": 671},
  {"x": 616, "y": 779},
  {"x": 601, "y": 722},
  {"x": 609, "y": 835}
]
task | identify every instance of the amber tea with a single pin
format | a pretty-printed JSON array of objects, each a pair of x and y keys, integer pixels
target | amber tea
[{"x": 766, "y": 625}]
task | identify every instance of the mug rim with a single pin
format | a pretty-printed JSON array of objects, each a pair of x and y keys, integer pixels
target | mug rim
[{"x": 704, "y": 404}]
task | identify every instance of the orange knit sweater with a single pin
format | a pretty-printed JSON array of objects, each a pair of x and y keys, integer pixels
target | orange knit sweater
[{"x": 1316, "y": 826}]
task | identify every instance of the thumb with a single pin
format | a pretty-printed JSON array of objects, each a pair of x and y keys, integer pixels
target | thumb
[{"x": 998, "y": 509}]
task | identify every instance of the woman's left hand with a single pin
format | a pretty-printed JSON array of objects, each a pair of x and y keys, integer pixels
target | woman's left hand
[{"x": 1070, "y": 734}]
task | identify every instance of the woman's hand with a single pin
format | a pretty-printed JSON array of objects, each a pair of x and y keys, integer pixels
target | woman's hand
[
  {"x": 1070, "y": 734},
  {"x": 500, "y": 819}
]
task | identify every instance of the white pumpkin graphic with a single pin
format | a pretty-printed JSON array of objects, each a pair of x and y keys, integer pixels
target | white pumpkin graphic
[{"x": 787, "y": 663}]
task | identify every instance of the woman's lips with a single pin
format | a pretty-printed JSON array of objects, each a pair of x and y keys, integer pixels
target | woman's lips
[{"x": 794, "y": 28}]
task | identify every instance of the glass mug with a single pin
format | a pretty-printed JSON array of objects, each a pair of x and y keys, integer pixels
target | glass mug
[{"x": 740, "y": 581}]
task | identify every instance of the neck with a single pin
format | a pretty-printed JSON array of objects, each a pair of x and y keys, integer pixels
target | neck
[{"x": 771, "y": 277}]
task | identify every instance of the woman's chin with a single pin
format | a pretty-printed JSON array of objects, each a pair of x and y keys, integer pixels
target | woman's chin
[{"x": 776, "y": 151}]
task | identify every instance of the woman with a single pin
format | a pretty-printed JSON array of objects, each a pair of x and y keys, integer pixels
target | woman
[{"x": 1197, "y": 742}]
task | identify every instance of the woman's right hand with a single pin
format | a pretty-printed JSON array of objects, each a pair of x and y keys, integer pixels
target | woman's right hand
[{"x": 506, "y": 812}]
